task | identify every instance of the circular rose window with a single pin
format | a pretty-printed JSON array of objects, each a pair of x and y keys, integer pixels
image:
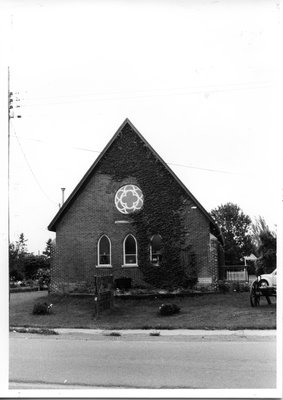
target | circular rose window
[{"x": 128, "y": 199}]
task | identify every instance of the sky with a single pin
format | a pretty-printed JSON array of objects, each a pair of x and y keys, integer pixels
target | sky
[{"x": 198, "y": 79}]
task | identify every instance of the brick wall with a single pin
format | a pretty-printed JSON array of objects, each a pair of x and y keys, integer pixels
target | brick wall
[
  {"x": 197, "y": 236},
  {"x": 93, "y": 213},
  {"x": 213, "y": 257}
]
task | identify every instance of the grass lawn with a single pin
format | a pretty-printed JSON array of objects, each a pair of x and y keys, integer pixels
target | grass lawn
[{"x": 211, "y": 311}]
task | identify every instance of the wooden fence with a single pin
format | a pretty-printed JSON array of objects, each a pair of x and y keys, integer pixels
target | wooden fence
[{"x": 234, "y": 273}]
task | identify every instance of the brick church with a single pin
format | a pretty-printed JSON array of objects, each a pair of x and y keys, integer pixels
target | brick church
[{"x": 131, "y": 217}]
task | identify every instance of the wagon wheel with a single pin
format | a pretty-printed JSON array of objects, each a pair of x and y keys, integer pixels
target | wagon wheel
[
  {"x": 263, "y": 283},
  {"x": 255, "y": 294}
]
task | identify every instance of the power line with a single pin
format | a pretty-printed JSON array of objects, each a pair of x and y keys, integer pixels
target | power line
[
  {"x": 45, "y": 141},
  {"x": 203, "y": 88},
  {"x": 30, "y": 168},
  {"x": 202, "y": 169},
  {"x": 113, "y": 96},
  {"x": 172, "y": 164}
]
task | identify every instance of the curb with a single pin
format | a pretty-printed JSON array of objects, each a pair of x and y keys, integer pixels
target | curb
[
  {"x": 170, "y": 332},
  {"x": 152, "y": 332}
]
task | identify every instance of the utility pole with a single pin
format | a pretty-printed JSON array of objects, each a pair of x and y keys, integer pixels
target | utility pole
[
  {"x": 9, "y": 240},
  {"x": 11, "y": 114}
]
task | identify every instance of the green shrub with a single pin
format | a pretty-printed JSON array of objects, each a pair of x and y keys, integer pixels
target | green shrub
[
  {"x": 123, "y": 283},
  {"x": 154, "y": 334},
  {"x": 240, "y": 287},
  {"x": 113, "y": 334},
  {"x": 168, "y": 309},
  {"x": 223, "y": 287},
  {"x": 43, "y": 277},
  {"x": 42, "y": 308}
]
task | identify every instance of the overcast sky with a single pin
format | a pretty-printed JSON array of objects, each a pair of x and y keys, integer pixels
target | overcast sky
[{"x": 198, "y": 79}]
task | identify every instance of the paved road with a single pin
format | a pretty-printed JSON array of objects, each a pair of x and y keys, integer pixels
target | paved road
[{"x": 141, "y": 361}]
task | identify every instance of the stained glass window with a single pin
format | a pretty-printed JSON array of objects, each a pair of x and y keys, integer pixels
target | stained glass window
[{"x": 128, "y": 199}]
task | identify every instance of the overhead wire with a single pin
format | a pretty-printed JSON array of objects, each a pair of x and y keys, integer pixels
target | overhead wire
[
  {"x": 29, "y": 166},
  {"x": 172, "y": 164},
  {"x": 190, "y": 88},
  {"x": 45, "y": 141},
  {"x": 124, "y": 95}
]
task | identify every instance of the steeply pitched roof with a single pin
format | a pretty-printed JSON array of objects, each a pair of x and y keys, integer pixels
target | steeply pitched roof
[{"x": 68, "y": 202}]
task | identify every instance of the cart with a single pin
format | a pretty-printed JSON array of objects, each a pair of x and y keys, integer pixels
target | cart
[{"x": 259, "y": 290}]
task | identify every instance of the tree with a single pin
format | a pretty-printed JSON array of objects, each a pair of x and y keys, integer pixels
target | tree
[
  {"x": 235, "y": 227},
  {"x": 24, "y": 265},
  {"x": 21, "y": 245},
  {"x": 17, "y": 252},
  {"x": 15, "y": 268},
  {"x": 258, "y": 228},
  {"x": 33, "y": 263},
  {"x": 48, "y": 249},
  {"x": 265, "y": 243}
]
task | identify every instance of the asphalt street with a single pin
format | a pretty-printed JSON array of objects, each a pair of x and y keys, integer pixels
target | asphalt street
[{"x": 138, "y": 360}]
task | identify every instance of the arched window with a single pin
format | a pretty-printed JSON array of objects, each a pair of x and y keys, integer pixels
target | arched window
[
  {"x": 156, "y": 249},
  {"x": 104, "y": 251},
  {"x": 130, "y": 250}
]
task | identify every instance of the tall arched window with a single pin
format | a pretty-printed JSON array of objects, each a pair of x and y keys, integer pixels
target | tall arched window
[
  {"x": 130, "y": 250},
  {"x": 104, "y": 251},
  {"x": 156, "y": 249}
]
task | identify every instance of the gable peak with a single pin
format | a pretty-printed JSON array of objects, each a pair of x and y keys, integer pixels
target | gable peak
[{"x": 127, "y": 122}]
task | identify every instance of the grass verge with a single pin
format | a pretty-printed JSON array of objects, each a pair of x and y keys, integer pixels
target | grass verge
[{"x": 221, "y": 311}]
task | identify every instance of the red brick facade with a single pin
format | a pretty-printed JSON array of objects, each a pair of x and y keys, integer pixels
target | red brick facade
[{"x": 90, "y": 212}]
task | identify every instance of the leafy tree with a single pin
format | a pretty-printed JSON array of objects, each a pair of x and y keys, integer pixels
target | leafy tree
[
  {"x": 43, "y": 276},
  {"x": 15, "y": 267},
  {"x": 235, "y": 227},
  {"x": 48, "y": 249},
  {"x": 17, "y": 252},
  {"x": 26, "y": 265},
  {"x": 32, "y": 263},
  {"x": 21, "y": 245},
  {"x": 265, "y": 242}
]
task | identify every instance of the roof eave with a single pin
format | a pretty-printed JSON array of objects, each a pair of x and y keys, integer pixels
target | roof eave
[{"x": 52, "y": 225}]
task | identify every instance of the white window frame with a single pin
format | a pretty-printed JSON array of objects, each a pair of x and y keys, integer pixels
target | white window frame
[
  {"x": 98, "y": 253},
  {"x": 124, "y": 252}
]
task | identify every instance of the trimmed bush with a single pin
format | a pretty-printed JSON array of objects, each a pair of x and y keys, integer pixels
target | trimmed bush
[
  {"x": 240, "y": 287},
  {"x": 223, "y": 287},
  {"x": 42, "y": 308},
  {"x": 123, "y": 283},
  {"x": 169, "y": 309}
]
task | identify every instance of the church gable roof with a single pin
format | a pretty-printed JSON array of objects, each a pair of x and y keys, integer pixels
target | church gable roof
[{"x": 84, "y": 180}]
